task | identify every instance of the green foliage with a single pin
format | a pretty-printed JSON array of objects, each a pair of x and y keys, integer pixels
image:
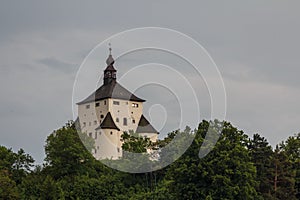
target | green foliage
[
  {"x": 17, "y": 164},
  {"x": 225, "y": 173},
  {"x": 237, "y": 167},
  {"x": 134, "y": 143},
  {"x": 283, "y": 173},
  {"x": 8, "y": 188},
  {"x": 262, "y": 156},
  {"x": 292, "y": 148},
  {"x": 65, "y": 153}
]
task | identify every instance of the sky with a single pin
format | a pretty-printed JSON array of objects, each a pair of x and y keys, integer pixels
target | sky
[{"x": 255, "y": 45}]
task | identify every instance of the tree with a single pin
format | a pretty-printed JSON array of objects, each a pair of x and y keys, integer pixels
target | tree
[
  {"x": 283, "y": 176},
  {"x": 261, "y": 154},
  {"x": 134, "y": 143},
  {"x": 225, "y": 173},
  {"x": 8, "y": 187},
  {"x": 18, "y": 165},
  {"x": 292, "y": 149},
  {"x": 66, "y": 155}
]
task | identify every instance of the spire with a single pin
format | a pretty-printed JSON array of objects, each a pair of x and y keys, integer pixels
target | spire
[
  {"x": 110, "y": 60},
  {"x": 109, "y": 72}
]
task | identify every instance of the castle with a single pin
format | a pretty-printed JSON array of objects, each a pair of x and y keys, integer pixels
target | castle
[{"x": 110, "y": 111}]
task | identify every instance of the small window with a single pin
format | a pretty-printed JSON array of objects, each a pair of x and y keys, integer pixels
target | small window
[
  {"x": 84, "y": 124},
  {"x": 95, "y": 122},
  {"x": 87, "y": 106},
  {"x": 118, "y": 149},
  {"x": 117, "y": 119},
  {"x": 102, "y": 116},
  {"x": 95, "y": 135},
  {"x": 90, "y": 134},
  {"x": 116, "y": 102},
  {"x": 135, "y": 105},
  {"x": 111, "y": 132},
  {"x": 97, "y": 147},
  {"x": 97, "y": 104},
  {"x": 125, "y": 121},
  {"x": 105, "y": 102},
  {"x": 95, "y": 151},
  {"x": 133, "y": 121}
]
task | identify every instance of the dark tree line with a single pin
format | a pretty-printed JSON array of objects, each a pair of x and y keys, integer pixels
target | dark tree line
[{"x": 238, "y": 167}]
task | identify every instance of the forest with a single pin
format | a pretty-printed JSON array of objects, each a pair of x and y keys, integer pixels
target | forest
[{"x": 238, "y": 167}]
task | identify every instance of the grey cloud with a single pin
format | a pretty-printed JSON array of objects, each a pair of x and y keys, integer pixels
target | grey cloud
[{"x": 59, "y": 65}]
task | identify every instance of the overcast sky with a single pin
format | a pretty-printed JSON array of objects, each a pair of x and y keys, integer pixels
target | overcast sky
[{"x": 254, "y": 43}]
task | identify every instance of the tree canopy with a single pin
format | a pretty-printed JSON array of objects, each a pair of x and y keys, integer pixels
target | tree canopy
[{"x": 237, "y": 167}]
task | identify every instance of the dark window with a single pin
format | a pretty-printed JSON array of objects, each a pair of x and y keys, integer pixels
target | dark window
[
  {"x": 118, "y": 149},
  {"x": 97, "y": 104},
  {"x": 117, "y": 119},
  {"x": 111, "y": 132},
  {"x": 95, "y": 135},
  {"x": 95, "y": 122},
  {"x": 125, "y": 121},
  {"x": 87, "y": 106},
  {"x": 133, "y": 121},
  {"x": 116, "y": 102},
  {"x": 95, "y": 151},
  {"x": 104, "y": 102},
  {"x": 84, "y": 124},
  {"x": 90, "y": 134},
  {"x": 101, "y": 116}
]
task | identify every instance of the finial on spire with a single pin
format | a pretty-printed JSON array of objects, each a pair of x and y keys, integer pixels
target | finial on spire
[
  {"x": 110, "y": 60},
  {"x": 109, "y": 44}
]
